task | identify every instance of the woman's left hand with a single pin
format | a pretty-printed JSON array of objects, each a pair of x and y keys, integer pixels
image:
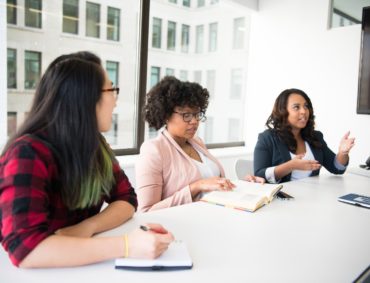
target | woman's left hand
[
  {"x": 81, "y": 230},
  {"x": 346, "y": 144},
  {"x": 254, "y": 179}
]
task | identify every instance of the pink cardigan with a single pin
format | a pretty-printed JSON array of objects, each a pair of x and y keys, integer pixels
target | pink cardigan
[{"x": 164, "y": 172}]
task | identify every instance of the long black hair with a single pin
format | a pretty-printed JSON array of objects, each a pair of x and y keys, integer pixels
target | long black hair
[
  {"x": 64, "y": 109},
  {"x": 278, "y": 121}
]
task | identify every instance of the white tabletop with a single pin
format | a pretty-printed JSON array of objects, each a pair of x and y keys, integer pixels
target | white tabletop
[{"x": 313, "y": 238}]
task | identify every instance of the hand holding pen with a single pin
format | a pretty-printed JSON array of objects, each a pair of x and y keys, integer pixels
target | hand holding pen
[{"x": 149, "y": 241}]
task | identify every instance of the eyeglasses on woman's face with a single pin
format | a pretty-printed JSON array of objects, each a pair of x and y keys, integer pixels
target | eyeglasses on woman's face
[
  {"x": 113, "y": 90},
  {"x": 187, "y": 116}
]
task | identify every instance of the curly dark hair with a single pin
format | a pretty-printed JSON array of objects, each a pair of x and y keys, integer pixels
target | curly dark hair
[
  {"x": 278, "y": 121},
  {"x": 169, "y": 93}
]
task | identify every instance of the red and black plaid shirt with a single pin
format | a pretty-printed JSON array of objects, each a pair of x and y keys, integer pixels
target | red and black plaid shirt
[{"x": 31, "y": 207}]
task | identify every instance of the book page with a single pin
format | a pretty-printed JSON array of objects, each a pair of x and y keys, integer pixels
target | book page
[
  {"x": 266, "y": 190},
  {"x": 236, "y": 198},
  {"x": 176, "y": 255}
]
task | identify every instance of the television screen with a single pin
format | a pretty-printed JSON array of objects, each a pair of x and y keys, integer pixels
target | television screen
[{"x": 363, "y": 97}]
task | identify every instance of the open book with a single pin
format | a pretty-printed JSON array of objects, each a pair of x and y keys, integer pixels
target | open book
[
  {"x": 176, "y": 257},
  {"x": 246, "y": 196}
]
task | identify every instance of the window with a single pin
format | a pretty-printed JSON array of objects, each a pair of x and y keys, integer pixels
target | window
[
  {"x": 112, "y": 135},
  {"x": 113, "y": 24},
  {"x": 154, "y": 75},
  {"x": 208, "y": 130},
  {"x": 32, "y": 69},
  {"x": 12, "y": 68},
  {"x": 212, "y": 37},
  {"x": 172, "y": 1},
  {"x": 234, "y": 129},
  {"x": 186, "y": 3},
  {"x": 12, "y": 123},
  {"x": 11, "y": 12},
  {"x": 198, "y": 77},
  {"x": 214, "y": 1},
  {"x": 113, "y": 72},
  {"x": 32, "y": 13},
  {"x": 185, "y": 34},
  {"x": 199, "y": 39},
  {"x": 183, "y": 75},
  {"x": 239, "y": 29},
  {"x": 236, "y": 84},
  {"x": 201, "y": 3},
  {"x": 171, "y": 35},
  {"x": 157, "y": 33},
  {"x": 170, "y": 72},
  {"x": 346, "y": 13},
  {"x": 25, "y": 63},
  {"x": 70, "y": 16},
  {"x": 92, "y": 19},
  {"x": 211, "y": 82}
]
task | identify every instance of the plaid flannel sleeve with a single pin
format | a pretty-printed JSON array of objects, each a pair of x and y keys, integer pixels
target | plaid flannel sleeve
[{"x": 23, "y": 201}]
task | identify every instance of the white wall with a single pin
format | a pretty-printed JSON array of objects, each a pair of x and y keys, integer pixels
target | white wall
[{"x": 292, "y": 47}]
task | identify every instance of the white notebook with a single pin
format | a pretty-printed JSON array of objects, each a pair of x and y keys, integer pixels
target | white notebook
[{"x": 176, "y": 257}]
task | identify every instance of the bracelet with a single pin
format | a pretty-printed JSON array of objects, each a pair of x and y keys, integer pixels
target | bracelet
[{"x": 125, "y": 237}]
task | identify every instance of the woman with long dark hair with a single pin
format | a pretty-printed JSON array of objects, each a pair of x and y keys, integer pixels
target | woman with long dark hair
[
  {"x": 291, "y": 148},
  {"x": 58, "y": 170}
]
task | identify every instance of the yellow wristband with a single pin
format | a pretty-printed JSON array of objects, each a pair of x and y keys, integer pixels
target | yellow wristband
[{"x": 126, "y": 245}]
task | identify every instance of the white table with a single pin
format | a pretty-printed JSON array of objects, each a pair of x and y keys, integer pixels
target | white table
[{"x": 313, "y": 238}]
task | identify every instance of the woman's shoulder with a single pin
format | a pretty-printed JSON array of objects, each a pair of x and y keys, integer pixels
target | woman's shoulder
[
  {"x": 28, "y": 147},
  {"x": 268, "y": 134}
]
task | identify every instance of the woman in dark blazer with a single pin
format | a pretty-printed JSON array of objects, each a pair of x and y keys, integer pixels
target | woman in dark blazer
[{"x": 290, "y": 148}]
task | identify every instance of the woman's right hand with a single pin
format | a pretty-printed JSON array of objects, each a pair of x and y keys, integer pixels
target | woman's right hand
[
  {"x": 149, "y": 244},
  {"x": 297, "y": 163},
  {"x": 211, "y": 184}
]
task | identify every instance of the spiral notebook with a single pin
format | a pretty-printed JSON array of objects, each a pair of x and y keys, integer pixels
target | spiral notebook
[{"x": 175, "y": 258}]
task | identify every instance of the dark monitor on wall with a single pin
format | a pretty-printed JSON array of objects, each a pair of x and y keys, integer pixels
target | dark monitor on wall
[{"x": 363, "y": 96}]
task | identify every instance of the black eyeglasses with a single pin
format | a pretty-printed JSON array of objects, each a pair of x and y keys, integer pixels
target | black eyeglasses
[
  {"x": 114, "y": 90},
  {"x": 187, "y": 117}
]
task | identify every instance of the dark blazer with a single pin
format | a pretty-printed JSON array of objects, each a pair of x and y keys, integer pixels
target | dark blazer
[{"x": 271, "y": 151}]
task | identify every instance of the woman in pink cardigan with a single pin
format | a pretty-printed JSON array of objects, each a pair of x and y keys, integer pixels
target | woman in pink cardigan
[{"x": 175, "y": 167}]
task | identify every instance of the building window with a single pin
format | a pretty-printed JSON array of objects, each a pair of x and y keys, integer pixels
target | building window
[
  {"x": 212, "y": 37},
  {"x": 92, "y": 19},
  {"x": 173, "y": 1},
  {"x": 112, "y": 135},
  {"x": 12, "y": 68},
  {"x": 170, "y": 72},
  {"x": 11, "y": 12},
  {"x": 236, "y": 83},
  {"x": 185, "y": 34},
  {"x": 234, "y": 129},
  {"x": 157, "y": 33},
  {"x": 186, "y": 3},
  {"x": 239, "y": 31},
  {"x": 201, "y": 3},
  {"x": 12, "y": 123},
  {"x": 183, "y": 75},
  {"x": 155, "y": 73},
  {"x": 70, "y": 16},
  {"x": 211, "y": 82},
  {"x": 198, "y": 77},
  {"x": 171, "y": 35},
  {"x": 199, "y": 39},
  {"x": 33, "y": 13},
  {"x": 113, "y": 72},
  {"x": 113, "y": 23},
  {"x": 208, "y": 130},
  {"x": 32, "y": 69}
]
